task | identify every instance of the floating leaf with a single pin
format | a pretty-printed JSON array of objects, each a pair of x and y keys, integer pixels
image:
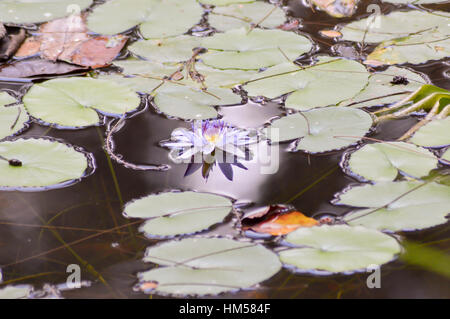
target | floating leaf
[
  {"x": 13, "y": 119},
  {"x": 397, "y": 24},
  {"x": 20, "y": 11},
  {"x": 74, "y": 102},
  {"x": 37, "y": 67},
  {"x": 16, "y": 292},
  {"x": 206, "y": 266},
  {"x": 341, "y": 79},
  {"x": 240, "y": 15},
  {"x": 157, "y": 19},
  {"x": 336, "y": 249},
  {"x": 446, "y": 156},
  {"x": 414, "y": 2},
  {"x": 434, "y": 134},
  {"x": 330, "y": 33},
  {"x": 383, "y": 161},
  {"x": 321, "y": 130},
  {"x": 416, "y": 48},
  {"x": 223, "y": 2},
  {"x": 383, "y": 89},
  {"x": 241, "y": 49},
  {"x": 397, "y": 206},
  {"x": 175, "y": 49},
  {"x": 174, "y": 213},
  {"x": 337, "y": 8},
  {"x": 40, "y": 163}
]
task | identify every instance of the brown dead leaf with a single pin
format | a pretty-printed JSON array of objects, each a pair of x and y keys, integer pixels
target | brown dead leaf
[
  {"x": 35, "y": 67},
  {"x": 330, "y": 33},
  {"x": 288, "y": 26},
  {"x": 337, "y": 8}
]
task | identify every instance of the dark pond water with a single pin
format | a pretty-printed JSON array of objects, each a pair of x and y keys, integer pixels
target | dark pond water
[{"x": 81, "y": 213}]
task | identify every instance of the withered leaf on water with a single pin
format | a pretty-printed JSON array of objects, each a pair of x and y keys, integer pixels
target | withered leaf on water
[
  {"x": 337, "y": 8},
  {"x": 67, "y": 40},
  {"x": 10, "y": 41},
  {"x": 2, "y": 30},
  {"x": 35, "y": 67}
]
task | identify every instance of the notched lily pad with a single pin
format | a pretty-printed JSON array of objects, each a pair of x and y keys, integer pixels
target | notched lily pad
[
  {"x": 14, "y": 118},
  {"x": 397, "y": 206},
  {"x": 208, "y": 266},
  {"x": 383, "y": 161},
  {"x": 338, "y": 249},
  {"x": 176, "y": 213},
  {"x": 33, "y": 164},
  {"x": 434, "y": 134},
  {"x": 321, "y": 130},
  {"x": 74, "y": 102}
]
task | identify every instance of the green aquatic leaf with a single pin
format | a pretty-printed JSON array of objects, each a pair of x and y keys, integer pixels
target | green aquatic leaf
[
  {"x": 157, "y": 19},
  {"x": 224, "y": 2},
  {"x": 434, "y": 134},
  {"x": 241, "y": 49},
  {"x": 236, "y": 16},
  {"x": 74, "y": 102},
  {"x": 176, "y": 213},
  {"x": 397, "y": 24},
  {"x": 397, "y": 206},
  {"x": 337, "y": 249},
  {"x": 383, "y": 161},
  {"x": 429, "y": 258},
  {"x": 446, "y": 156},
  {"x": 381, "y": 88},
  {"x": 16, "y": 292},
  {"x": 340, "y": 79},
  {"x": 13, "y": 119},
  {"x": 43, "y": 163},
  {"x": 26, "y": 11},
  {"x": 417, "y": 48},
  {"x": 208, "y": 266},
  {"x": 321, "y": 130}
]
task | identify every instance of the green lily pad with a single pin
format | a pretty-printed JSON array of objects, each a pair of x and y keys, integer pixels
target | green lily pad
[
  {"x": 74, "y": 102},
  {"x": 321, "y": 130},
  {"x": 337, "y": 249},
  {"x": 241, "y": 49},
  {"x": 175, "y": 49},
  {"x": 25, "y": 11},
  {"x": 434, "y": 134},
  {"x": 397, "y": 206},
  {"x": 414, "y": 1},
  {"x": 157, "y": 19},
  {"x": 394, "y": 25},
  {"x": 340, "y": 79},
  {"x": 13, "y": 119},
  {"x": 44, "y": 163},
  {"x": 176, "y": 213},
  {"x": 383, "y": 161},
  {"x": 381, "y": 90},
  {"x": 417, "y": 48},
  {"x": 446, "y": 157},
  {"x": 16, "y": 292},
  {"x": 236, "y": 16},
  {"x": 223, "y": 2},
  {"x": 208, "y": 266}
]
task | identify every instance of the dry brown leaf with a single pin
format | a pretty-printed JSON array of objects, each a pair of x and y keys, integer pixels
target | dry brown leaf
[
  {"x": 330, "y": 33},
  {"x": 35, "y": 67}
]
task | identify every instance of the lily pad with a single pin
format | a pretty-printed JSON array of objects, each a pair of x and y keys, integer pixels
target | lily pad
[
  {"x": 16, "y": 292},
  {"x": 207, "y": 266},
  {"x": 397, "y": 206},
  {"x": 446, "y": 157},
  {"x": 383, "y": 89},
  {"x": 223, "y": 2},
  {"x": 383, "y": 161},
  {"x": 175, "y": 49},
  {"x": 23, "y": 11},
  {"x": 241, "y": 49},
  {"x": 74, "y": 102},
  {"x": 417, "y": 48},
  {"x": 338, "y": 249},
  {"x": 13, "y": 119},
  {"x": 394, "y": 25},
  {"x": 321, "y": 130},
  {"x": 414, "y": 1},
  {"x": 43, "y": 163},
  {"x": 176, "y": 213},
  {"x": 434, "y": 134},
  {"x": 340, "y": 79},
  {"x": 157, "y": 19},
  {"x": 240, "y": 15}
]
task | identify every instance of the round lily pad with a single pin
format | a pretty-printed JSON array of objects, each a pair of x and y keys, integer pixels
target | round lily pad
[
  {"x": 241, "y": 49},
  {"x": 224, "y": 2},
  {"x": 176, "y": 213},
  {"x": 37, "y": 163},
  {"x": 16, "y": 292},
  {"x": 208, "y": 266},
  {"x": 157, "y": 19},
  {"x": 434, "y": 134},
  {"x": 383, "y": 161},
  {"x": 13, "y": 119},
  {"x": 446, "y": 157},
  {"x": 397, "y": 206},
  {"x": 338, "y": 249},
  {"x": 240, "y": 15},
  {"x": 321, "y": 130},
  {"x": 25, "y": 11},
  {"x": 74, "y": 102}
]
